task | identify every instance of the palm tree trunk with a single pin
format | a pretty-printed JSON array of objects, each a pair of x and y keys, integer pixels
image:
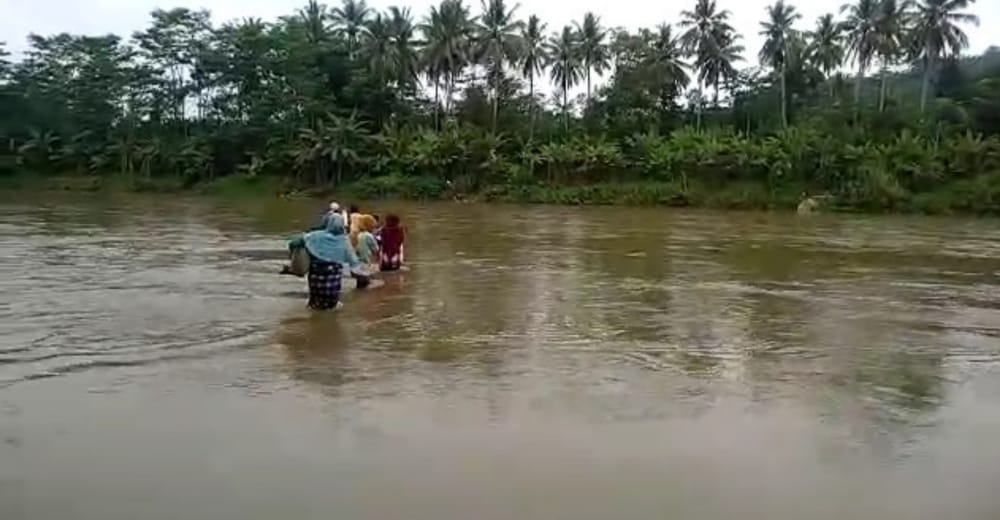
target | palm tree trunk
[
  {"x": 882, "y": 89},
  {"x": 446, "y": 103},
  {"x": 437, "y": 105},
  {"x": 857, "y": 84},
  {"x": 448, "y": 95},
  {"x": 531, "y": 106},
  {"x": 697, "y": 108},
  {"x": 784, "y": 98},
  {"x": 588, "y": 85},
  {"x": 565, "y": 106},
  {"x": 926, "y": 86},
  {"x": 829, "y": 82},
  {"x": 496, "y": 111},
  {"x": 496, "y": 103}
]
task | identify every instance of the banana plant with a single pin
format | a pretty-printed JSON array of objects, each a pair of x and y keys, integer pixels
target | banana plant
[
  {"x": 40, "y": 149},
  {"x": 254, "y": 167},
  {"x": 149, "y": 152},
  {"x": 337, "y": 142}
]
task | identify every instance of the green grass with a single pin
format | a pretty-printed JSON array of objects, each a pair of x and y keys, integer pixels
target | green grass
[
  {"x": 242, "y": 186},
  {"x": 398, "y": 186},
  {"x": 977, "y": 195},
  {"x": 89, "y": 183}
]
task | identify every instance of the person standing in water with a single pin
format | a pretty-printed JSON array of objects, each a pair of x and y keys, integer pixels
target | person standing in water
[
  {"x": 378, "y": 229},
  {"x": 350, "y": 215},
  {"x": 363, "y": 239},
  {"x": 334, "y": 209},
  {"x": 329, "y": 250},
  {"x": 393, "y": 236},
  {"x": 299, "y": 263}
]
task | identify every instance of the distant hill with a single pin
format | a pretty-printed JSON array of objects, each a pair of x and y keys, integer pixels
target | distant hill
[
  {"x": 971, "y": 67},
  {"x": 955, "y": 76},
  {"x": 984, "y": 65}
]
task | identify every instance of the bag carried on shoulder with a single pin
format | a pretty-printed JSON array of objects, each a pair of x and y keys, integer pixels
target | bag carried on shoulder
[{"x": 299, "y": 261}]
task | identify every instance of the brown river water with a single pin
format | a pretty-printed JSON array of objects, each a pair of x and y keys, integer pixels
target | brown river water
[{"x": 534, "y": 363}]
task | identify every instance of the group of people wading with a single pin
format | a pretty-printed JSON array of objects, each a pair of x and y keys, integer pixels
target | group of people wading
[{"x": 349, "y": 238}]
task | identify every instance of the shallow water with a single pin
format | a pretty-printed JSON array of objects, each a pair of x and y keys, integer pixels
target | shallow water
[{"x": 535, "y": 362}]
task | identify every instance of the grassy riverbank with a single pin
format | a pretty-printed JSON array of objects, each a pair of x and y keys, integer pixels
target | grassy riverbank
[{"x": 978, "y": 195}]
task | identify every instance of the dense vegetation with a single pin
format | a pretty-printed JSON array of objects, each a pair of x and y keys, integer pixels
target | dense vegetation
[{"x": 452, "y": 103}]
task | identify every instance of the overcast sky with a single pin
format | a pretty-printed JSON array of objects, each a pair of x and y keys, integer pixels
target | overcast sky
[{"x": 18, "y": 18}]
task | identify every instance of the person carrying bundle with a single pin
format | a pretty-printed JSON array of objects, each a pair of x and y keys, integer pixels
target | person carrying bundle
[{"x": 327, "y": 250}]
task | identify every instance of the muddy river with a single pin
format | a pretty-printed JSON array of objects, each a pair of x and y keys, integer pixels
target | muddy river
[{"x": 534, "y": 363}]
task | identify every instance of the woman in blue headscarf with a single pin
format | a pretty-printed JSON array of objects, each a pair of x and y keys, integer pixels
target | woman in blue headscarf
[{"x": 329, "y": 249}]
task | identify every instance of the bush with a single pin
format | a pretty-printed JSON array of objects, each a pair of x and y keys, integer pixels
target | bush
[
  {"x": 238, "y": 185},
  {"x": 398, "y": 186}
]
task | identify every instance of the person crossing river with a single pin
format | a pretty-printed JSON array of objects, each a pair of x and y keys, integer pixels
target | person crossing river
[
  {"x": 328, "y": 251},
  {"x": 321, "y": 253},
  {"x": 363, "y": 239}
]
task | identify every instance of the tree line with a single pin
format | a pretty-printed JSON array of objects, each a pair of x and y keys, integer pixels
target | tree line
[{"x": 407, "y": 105}]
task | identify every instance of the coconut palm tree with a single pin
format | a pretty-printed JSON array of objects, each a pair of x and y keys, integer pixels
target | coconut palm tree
[
  {"x": 566, "y": 67},
  {"x": 533, "y": 57},
  {"x": 936, "y": 32},
  {"x": 313, "y": 18},
  {"x": 826, "y": 49},
  {"x": 620, "y": 47},
  {"x": 449, "y": 33},
  {"x": 497, "y": 44},
  {"x": 432, "y": 56},
  {"x": 350, "y": 19},
  {"x": 707, "y": 31},
  {"x": 666, "y": 58},
  {"x": 405, "y": 58},
  {"x": 717, "y": 66},
  {"x": 376, "y": 41},
  {"x": 889, "y": 32},
  {"x": 777, "y": 31},
  {"x": 667, "y": 54},
  {"x": 862, "y": 39},
  {"x": 593, "y": 47}
]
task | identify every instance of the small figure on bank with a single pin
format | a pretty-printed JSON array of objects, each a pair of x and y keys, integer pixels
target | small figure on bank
[
  {"x": 811, "y": 203},
  {"x": 393, "y": 237},
  {"x": 329, "y": 250}
]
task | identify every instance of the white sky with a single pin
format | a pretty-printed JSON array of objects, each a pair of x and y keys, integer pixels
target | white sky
[{"x": 18, "y": 18}]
